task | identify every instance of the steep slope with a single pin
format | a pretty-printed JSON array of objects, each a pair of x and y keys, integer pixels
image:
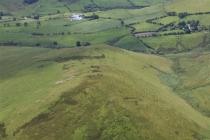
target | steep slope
[
  {"x": 92, "y": 93},
  {"x": 192, "y": 79}
]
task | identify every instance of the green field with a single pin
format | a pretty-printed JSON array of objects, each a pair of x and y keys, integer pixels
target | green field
[
  {"x": 175, "y": 43},
  {"x": 127, "y": 70},
  {"x": 144, "y": 26}
]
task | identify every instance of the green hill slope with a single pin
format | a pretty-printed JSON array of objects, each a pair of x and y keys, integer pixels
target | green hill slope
[
  {"x": 189, "y": 6},
  {"x": 92, "y": 93}
]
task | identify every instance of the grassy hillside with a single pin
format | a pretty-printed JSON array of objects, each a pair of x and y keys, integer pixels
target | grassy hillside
[
  {"x": 193, "y": 88},
  {"x": 92, "y": 93},
  {"x": 67, "y": 79},
  {"x": 189, "y": 6}
]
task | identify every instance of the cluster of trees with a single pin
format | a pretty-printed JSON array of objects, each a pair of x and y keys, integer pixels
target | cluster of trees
[
  {"x": 3, "y": 14},
  {"x": 30, "y": 1},
  {"x": 91, "y": 7},
  {"x": 180, "y": 15},
  {"x": 48, "y": 34},
  {"x": 18, "y": 24},
  {"x": 6, "y": 25},
  {"x": 60, "y": 33},
  {"x": 92, "y": 17},
  {"x": 36, "y": 17},
  {"x": 184, "y": 14},
  {"x": 171, "y": 13},
  {"x": 25, "y": 24},
  {"x": 189, "y": 26},
  {"x": 201, "y": 13},
  {"x": 37, "y": 34},
  {"x": 79, "y": 44}
]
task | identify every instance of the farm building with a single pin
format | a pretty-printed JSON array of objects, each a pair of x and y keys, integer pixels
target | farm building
[{"x": 76, "y": 17}]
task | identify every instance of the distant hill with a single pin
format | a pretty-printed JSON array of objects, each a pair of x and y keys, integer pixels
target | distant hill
[
  {"x": 73, "y": 5},
  {"x": 30, "y": 1}
]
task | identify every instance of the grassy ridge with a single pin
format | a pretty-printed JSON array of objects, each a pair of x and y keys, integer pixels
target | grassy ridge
[{"x": 105, "y": 93}]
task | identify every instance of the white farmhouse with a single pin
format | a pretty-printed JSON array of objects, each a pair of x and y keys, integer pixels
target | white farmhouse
[{"x": 76, "y": 17}]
